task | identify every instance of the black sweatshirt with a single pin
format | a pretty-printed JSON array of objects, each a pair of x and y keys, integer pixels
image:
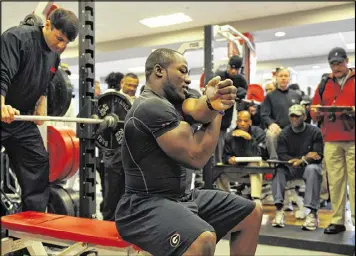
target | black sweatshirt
[
  {"x": 27, "y": 67},
  {"x": 240, "y": 147},
  {"x": 274, "y": 108},
  {"x": 295, "y": 145}
]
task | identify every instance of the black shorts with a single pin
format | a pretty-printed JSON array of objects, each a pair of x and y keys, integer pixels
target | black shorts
[{"x": 164, "y": 226}]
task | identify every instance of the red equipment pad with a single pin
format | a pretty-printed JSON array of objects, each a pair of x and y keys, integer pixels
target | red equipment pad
[
  {"x": 92, "y": 231},
  {"x": 255, "y": 92}
]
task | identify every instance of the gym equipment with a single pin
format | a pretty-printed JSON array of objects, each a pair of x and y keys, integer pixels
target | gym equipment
[
  {"x": 63, "y": 201},
  {"x": 60, "y": 93},
  {"x": 63, "y": 150},
  {"x": 32, "y": 20},
  {"x": 78, "y": 234},
  {"x": 112, "y": 108},
  {"x": 112, "y": 103}
]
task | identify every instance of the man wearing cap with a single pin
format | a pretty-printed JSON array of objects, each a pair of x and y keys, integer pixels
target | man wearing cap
[
  {"x": 232, "y": 72},
  {"x": 339, "y": 135},
  {"x": 301, "y": 145}
]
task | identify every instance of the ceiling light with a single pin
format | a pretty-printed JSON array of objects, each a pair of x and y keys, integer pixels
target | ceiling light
[
  {"x": 166, "y": 20},
  {"x": 316, "y": 66},
  {"x": 279, "y": 34},
  {"x": 350, "y": 46},
  {"x": 139, "y": 69}
]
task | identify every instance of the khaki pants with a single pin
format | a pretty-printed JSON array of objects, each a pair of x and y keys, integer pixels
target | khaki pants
[
  {"x": 324, "y": 193},
  {"x": 340, "y": 166},
  {"x": 256, "y": 180}
]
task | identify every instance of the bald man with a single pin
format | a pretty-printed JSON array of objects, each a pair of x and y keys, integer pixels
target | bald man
[{"x": 246, "y": 141}]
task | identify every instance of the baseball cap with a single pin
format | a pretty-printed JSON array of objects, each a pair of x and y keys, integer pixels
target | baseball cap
[
  {"x": 235, "y": 62},
  {"x": 297, "y": 110},
  {"x": 337, "y": 54}
]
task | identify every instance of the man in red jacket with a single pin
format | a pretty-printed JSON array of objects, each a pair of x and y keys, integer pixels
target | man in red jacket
[{"x": 339, "y": 136}]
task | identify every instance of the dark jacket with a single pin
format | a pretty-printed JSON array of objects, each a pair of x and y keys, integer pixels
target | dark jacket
[
  {"x": 295, "y": 145},
  {"x": 237, "y": 146},
  {"x": 274, "y": 108},
  {"x": 27, "y": 67}
]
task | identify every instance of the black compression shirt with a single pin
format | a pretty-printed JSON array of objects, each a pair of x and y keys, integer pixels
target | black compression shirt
[
  {"x": 148, "y": 169},
  {"x": 27, "y": 66}
]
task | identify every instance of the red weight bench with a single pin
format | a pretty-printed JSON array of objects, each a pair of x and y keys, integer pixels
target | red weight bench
[{"x": 31, "y": 229}]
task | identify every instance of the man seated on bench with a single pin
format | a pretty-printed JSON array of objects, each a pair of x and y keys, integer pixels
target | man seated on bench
[
  {"x": 300, "y": 144},
  {"x": 246, "y": 141}
]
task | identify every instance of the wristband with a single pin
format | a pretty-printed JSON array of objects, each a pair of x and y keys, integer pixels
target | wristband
[
  {"x": 209, "y": 104},
  {"x": 222, "y": 112}
]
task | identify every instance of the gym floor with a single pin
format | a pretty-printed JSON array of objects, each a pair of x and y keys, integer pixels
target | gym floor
[{"x": 222, "y": 247}]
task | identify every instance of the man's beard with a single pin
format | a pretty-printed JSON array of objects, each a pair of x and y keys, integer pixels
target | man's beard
[{"x": 172, "y": 93}]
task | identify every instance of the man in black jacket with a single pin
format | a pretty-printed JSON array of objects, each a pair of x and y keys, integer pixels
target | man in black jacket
[
  {"x": 29, "y": 60},
  {"x": 300, "y": 144},
  {"x": 274, "y": 109},
  {"x": 245, "y": 141},
  {"x": 232, "y": 72}
]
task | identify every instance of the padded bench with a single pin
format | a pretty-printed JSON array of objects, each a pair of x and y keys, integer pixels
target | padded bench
[{"x": 31, "y": 229}]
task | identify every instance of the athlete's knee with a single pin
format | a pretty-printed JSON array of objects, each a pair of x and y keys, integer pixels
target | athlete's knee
[{"x": 204, "y": 245}]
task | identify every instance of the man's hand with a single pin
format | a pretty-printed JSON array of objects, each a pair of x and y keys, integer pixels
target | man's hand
[
  {"x": 313, "y": 156},
  {"x": 7, "y": 112},
  {"x": 274, "y": 128},
  {"x": 296, "y": 162},
  {"x": 316, "y": 112},
  {"x": 232, "y": 160},
  {"x": 221, "y": 94},
  {"x": 241, "y": 133}
]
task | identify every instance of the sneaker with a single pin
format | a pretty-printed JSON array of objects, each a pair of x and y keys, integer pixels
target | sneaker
[
  {"x": 311, "y": 222},
  {"x": 278, "y": 220}
]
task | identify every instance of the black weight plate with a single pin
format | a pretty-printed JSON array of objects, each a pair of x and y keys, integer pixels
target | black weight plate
[
  {"x": 59, "y": 95},
  {"x": 112, "y": 102},
  {"x": 62, "y": 201}
]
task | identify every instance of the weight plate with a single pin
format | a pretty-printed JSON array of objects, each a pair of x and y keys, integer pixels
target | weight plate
[
  {"x": 60, "y": 150},
  {"x": 75, "y": 163},
  {"x": 63, "y": 201},
  {"x": 60, "y": 93},
  {"x": 112, "y": 102}
]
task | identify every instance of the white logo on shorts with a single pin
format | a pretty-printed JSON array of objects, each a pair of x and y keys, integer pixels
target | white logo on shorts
[{"x": 175, "y": 239}]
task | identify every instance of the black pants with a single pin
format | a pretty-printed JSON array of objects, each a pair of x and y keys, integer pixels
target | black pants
[
  {"x": 30, "y": 162},
  {"x": 114, "y": 183}
]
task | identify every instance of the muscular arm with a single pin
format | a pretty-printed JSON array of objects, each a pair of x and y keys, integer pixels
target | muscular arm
[
  {"x": 192, "y": 149},
  {"x": 198, "y": 110},
  {"x": 222, "y": 96}
]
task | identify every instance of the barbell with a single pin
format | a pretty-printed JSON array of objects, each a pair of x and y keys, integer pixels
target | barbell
[
  {"x": 110, "y": 119},
  {"x": 112, "y": 108}
]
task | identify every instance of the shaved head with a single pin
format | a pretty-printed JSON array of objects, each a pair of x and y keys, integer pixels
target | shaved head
[
  {"x": 243, "y": 121},
  {"x": 244, "y": 113}
]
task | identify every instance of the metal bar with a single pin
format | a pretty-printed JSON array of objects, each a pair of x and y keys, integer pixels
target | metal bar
[
  {"x": 208, "y": 53},
  {"x": 233, "y": 30},
  {"x": 59, "y": 118},
  {"x": 87, "y": 161}
]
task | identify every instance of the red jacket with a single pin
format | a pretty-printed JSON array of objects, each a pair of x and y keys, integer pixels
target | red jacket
[{"x": 334, "y": 131}]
